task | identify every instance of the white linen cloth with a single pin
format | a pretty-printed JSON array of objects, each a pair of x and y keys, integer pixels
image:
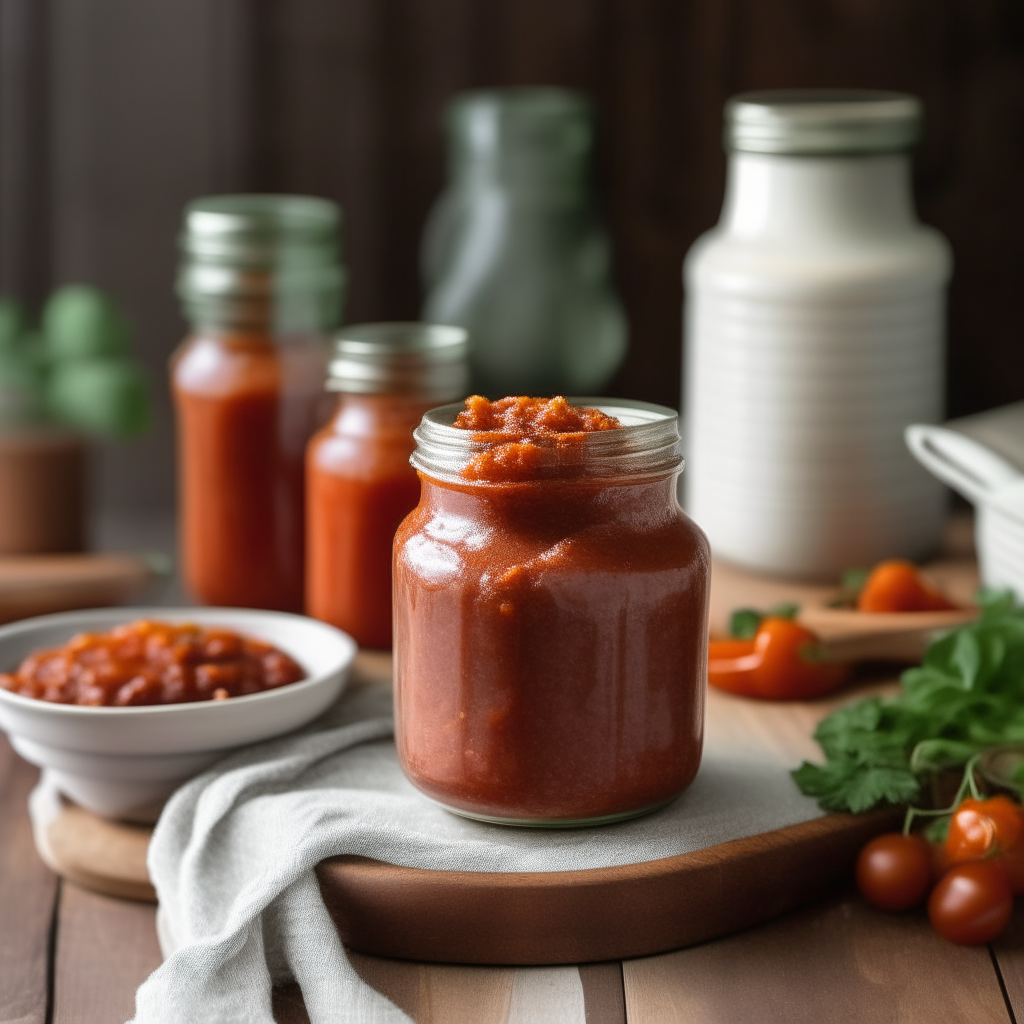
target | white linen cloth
[{"x": 233, "y": 854}]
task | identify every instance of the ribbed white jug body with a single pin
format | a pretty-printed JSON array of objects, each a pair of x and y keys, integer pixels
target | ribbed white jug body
[{"x": 814, "y": 335}]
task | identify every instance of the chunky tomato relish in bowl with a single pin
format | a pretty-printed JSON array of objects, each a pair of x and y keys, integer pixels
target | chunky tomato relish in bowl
[
  {"x": 152, "y": 662},
  {"x": 122, "y": 705}
]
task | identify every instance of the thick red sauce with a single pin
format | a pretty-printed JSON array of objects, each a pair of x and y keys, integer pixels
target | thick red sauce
[
  {"x": 148, "y": 662},
  {"x": 359, "y": 487},
  {"x": 550, "y": 638},
  {"x": 246, "y": 406}
]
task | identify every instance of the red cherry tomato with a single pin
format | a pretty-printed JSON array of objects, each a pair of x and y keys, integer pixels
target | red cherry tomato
[
  {"x": 991, "y": 829},
  {"x": 972, "y": 903},
  {"x": 774, "y": 665},
  {"x": 897, "y": 586},
  {"x": 894, "y": 871}
]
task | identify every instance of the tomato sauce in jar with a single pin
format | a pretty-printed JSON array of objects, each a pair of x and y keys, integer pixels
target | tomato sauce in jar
[
  {"x": 246, "y": 407},
  {"x": 261, "y": 284},
  {"x": 360, "y": 484},
  {"x": 148, "y": 662},
  {"x": 550, "y": 613}
]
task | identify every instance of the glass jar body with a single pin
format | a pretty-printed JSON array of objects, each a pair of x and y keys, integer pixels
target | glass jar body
[
  {"x": 360, "y": 486},
  {"x": 550, "y": 648},
  {"x": 246, "y": 404}
]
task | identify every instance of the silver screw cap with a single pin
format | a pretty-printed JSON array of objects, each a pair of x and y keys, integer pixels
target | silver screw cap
[{"x": 822, "y": 121}]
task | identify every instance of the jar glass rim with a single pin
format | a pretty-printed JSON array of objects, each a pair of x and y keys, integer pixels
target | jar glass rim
[{"x": 646, "y": 445}]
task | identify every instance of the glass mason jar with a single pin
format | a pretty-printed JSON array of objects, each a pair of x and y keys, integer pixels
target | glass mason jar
[
  {"x": 551, "y": 632},
  {"x": 261, "y": 284},
  {"x": 515, "y": 251},
  {"x": 814, "y": 336},
  {"x": 359, "y": 483}
]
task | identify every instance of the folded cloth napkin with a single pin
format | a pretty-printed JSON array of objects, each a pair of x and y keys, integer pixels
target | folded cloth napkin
[{"x": 233, "y": 856}]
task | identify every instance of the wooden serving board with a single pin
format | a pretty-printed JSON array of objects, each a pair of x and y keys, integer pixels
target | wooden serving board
[{"x": 570, "y": 916}]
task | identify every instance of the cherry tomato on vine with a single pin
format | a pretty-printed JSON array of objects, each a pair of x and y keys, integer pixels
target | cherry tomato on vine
[
  {"x": 775, "y": 665},
  {"x": 894, "y": 871},
  {"x": 972, "y": 903},
  {"x": 991, "y": 829}
]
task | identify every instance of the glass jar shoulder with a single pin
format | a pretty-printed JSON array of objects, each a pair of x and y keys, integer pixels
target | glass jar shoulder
[
  {"x": 453, "y": 537},
  {"x": 368, "y": 436},
  {"x": 217, "y": 364},
  {"x": 226, "y": 363}
]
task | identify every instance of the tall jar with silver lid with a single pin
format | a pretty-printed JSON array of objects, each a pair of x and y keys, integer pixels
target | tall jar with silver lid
[
  {"x": 261, "y": 283},
  {"x": 814, "y": 335},
  {"x": 360, "y": 484}
]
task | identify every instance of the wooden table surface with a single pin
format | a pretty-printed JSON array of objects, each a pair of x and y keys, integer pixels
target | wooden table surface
[{"x": 68, "y": 956}]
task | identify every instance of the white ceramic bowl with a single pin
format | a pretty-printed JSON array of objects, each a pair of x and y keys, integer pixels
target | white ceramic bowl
[
  {"x": 124, "y": 762},
  {"x": 993, "y": 484}
]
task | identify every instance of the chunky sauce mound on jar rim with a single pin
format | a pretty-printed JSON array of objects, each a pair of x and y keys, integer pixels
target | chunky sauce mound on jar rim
[
  {"x": 517, "y": 429},
  {"x": 148, "y": 662}
]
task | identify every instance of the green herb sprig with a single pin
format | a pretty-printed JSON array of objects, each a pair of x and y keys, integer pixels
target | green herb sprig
[
  {"x": 745, "y": 622},
  {"x": 968, "y": 694}
]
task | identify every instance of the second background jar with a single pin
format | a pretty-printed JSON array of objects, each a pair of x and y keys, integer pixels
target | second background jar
[{"x": 360, "y": 484}]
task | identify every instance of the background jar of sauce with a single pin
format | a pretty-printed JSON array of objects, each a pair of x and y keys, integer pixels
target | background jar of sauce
[
  {"x": 360, "y": 484},
  {"x": 261, "y": 284},
  {"x": 551, "y": 630}
]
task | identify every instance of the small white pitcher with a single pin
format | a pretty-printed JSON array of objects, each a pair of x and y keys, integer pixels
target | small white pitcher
[{"x": 996, "y": 489}]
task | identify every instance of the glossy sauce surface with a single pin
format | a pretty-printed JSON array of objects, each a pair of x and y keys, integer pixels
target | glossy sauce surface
[
  {"x": 148, "y": 662},
  {"x": 245, "y": 409},
  {"x": 551, "y": 643},
  {"x": 360, "y": 487}
]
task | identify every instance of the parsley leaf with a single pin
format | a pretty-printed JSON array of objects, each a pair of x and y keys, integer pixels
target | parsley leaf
[{"x": 967, "y": 694}]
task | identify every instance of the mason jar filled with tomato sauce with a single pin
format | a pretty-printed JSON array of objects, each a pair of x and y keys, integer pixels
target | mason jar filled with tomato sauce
[
  {"x": 359, "y": 483},
  {"x": 551, "y": 613},
  {"x": 261, "y": 284}
]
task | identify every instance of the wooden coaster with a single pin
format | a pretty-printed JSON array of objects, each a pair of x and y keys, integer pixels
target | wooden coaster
[{"x": 98, "y": 854}]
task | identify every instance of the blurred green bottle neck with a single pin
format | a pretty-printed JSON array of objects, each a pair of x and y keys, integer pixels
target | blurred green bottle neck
[{"x": 532, "y": 144}]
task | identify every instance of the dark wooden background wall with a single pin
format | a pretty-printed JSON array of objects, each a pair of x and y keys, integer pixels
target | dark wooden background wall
[{"x": 147, "y": 103}]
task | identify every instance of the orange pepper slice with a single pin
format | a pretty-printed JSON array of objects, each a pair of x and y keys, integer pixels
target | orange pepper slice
[
  {"x": 774, "y": 665},
  {"x": 897, "y": 586}
]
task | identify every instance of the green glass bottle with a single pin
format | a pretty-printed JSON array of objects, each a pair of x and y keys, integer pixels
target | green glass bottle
[{"x": 515, "y": 251}]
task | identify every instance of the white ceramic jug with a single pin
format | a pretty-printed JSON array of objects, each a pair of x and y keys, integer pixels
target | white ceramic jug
[{"x": 814, "y": 335}]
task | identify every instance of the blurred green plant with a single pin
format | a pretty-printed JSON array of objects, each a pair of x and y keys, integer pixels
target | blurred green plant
[{"x": 76, "y": 370}]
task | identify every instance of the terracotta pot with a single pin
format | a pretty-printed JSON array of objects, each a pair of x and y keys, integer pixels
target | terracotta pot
[{"x": 42, "y": 491}]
